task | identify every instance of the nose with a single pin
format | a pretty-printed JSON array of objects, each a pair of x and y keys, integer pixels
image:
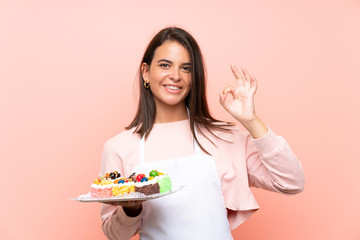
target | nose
[{"x": 175, "y": 74}]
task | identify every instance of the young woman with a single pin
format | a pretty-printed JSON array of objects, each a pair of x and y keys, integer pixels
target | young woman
[{"x": 174, "y": 131}]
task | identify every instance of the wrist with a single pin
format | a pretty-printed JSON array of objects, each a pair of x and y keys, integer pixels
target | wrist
[
  {"x": 133, "y": 211},
  {"x": 255, "y": 127}
]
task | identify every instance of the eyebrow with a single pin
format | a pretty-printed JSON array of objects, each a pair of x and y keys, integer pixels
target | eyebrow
[{"x": 168, "y": 61}]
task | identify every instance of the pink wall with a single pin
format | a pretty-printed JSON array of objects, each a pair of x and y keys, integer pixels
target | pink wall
[{"x": 66, "y": 85}]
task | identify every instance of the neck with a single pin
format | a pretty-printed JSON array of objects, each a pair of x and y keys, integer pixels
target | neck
[{"x": 165, "y": 114}]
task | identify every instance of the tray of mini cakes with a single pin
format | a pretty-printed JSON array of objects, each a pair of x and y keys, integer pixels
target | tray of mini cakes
[{"x": 137, "y": 187}]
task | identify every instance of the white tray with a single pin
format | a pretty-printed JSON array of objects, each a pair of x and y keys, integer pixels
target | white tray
[{"x": 126, "y": 197}]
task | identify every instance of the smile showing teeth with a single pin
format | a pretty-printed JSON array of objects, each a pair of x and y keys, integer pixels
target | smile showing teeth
[{"x": 173, "y": 87}]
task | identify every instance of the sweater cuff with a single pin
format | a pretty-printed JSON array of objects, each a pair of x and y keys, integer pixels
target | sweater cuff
[{"x": 269, "y": 145}]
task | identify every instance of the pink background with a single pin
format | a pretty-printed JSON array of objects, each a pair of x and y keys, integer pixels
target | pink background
[{"x": 67, "y": 72}]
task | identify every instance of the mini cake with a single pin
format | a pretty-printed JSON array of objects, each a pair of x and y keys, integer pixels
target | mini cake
[
  {"x": 148, "y": 188},
  {"x": 101, "y": 191},
  {"x": 102, "y": 186},
  {"x": 164, "y": 183},
  {"x": 122, "y": 187},
  {"x": 146, "y": 185}
]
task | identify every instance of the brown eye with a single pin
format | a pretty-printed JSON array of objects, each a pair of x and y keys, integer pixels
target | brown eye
[
  {"x": 165, "y": 65},
  {"x": 187, "y": 69}
]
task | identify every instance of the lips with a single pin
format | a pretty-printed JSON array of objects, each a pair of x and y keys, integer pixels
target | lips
[{"x": 172, "y": 87}]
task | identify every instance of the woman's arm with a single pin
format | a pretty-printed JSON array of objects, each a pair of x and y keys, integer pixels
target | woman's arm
[
  {"x": 272, "y": 165},
  {"x": 270, "y": 161},
  {"x": 118, "y": 222}
]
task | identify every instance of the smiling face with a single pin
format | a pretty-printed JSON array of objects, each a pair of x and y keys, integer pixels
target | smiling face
[{"x": 169, "y": 75}]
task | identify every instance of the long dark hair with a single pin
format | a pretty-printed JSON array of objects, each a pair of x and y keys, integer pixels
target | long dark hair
[{"x": 196, "y": 99}]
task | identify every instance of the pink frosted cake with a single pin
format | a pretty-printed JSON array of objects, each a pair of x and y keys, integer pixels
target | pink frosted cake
[{"x": 102, "y": 187}]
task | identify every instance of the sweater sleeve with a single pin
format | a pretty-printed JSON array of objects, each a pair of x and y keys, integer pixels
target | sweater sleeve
[
  {"x": 272, "y": 165},
  {"x": 115, "y": 223}
]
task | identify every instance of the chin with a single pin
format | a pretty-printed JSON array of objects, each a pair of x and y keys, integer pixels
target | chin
[{"x": 172, "y": 102}]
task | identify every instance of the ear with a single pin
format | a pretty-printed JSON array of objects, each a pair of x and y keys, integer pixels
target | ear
[{"x": 145, "y": 72}]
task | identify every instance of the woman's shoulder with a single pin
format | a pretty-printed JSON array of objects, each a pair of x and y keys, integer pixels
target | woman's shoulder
[
  {"x": 231, "y": 134},
  {"x": 126, "y": 138},
  {"x": 228, "y": 132}
]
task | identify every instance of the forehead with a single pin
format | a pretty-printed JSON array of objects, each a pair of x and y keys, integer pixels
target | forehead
[{"x": 173, "y": 51}]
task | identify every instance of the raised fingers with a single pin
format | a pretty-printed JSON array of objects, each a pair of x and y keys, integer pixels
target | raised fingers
[
  {"x": 247, "y": 77},
  {"x": 240, "y": 81},
  {"x": 254, "y": 83},
  {"x": 244, "y": 78}
]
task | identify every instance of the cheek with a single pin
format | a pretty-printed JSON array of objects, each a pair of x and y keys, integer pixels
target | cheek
[{"x": 157, "y": 76}]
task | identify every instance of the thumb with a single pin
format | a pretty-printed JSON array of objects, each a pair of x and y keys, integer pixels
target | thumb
[{"x": 222, "y": 100}]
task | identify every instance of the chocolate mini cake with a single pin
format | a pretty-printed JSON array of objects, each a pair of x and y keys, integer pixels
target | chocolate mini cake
[{"x": 147, "y": 188}]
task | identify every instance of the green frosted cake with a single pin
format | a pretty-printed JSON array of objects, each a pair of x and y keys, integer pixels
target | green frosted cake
[{"x": 164, "y": 183}]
